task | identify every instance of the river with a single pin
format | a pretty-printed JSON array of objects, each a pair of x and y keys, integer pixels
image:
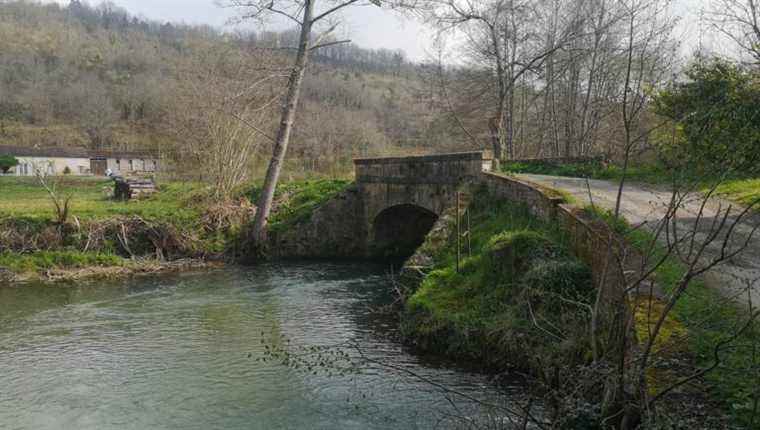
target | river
[{"x": 188, "y": 351}]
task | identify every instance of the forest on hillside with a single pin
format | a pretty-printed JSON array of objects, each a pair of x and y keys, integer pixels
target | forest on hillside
[
  {"x": 97, "y": 77},
  {"x": 522, "y": 79}
]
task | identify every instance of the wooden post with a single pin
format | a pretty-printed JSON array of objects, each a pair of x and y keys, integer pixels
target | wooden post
[
  {"x": 469, "y": 235},
  {"x": 459, "y": 233}
]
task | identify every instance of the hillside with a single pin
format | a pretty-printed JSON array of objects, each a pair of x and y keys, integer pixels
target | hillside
[{"x": 98, "y": 77}]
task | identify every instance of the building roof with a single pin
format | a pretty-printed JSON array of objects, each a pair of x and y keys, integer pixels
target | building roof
[{"x": 54, "y": 151}]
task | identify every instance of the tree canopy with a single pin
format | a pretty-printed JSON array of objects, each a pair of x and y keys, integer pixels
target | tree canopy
[{"x": 717, "y": 114}]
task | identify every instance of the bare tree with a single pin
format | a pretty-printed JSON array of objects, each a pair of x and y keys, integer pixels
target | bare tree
[
  {"x": 740, "y": 21},
  {"x": 224, "y": 104},
  {"x": 508, "y": 39},
  {"x": 53, "y": 186},
  {"x": 648, "y": 60},
  {"x": 308, "y": 16}
]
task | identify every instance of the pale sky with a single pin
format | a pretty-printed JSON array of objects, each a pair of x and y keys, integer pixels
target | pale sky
[{"x": 370, "y": 27}]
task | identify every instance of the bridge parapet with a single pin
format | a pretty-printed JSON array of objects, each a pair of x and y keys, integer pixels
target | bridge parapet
[{"x": 443, "y": 169}]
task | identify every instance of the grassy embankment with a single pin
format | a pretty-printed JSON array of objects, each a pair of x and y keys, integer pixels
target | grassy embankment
[
  {"x": 741, "y": 190},
  {"x": 503, "y": 308},
  {"x": 701, "y": 320},
  {"x": 181, "y": 217},
  {"x": 27, "y": 206},
  {"x": 295, "y": 201}
]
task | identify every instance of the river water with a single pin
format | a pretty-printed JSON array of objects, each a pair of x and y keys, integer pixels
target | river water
[{"x": 185, "y": 352}]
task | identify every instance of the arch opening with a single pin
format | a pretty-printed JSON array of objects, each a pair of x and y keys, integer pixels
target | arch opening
[{"x": 400, "y": 230}]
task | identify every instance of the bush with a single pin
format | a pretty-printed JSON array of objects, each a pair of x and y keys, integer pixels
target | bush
[
  {"x": 67, "y": 170},
  {"x": 7, "y": 162},
  {"x": 716, "y": 114}
]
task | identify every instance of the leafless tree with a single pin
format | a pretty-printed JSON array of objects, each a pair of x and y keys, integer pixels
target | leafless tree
[
  {"x": 509, "y": 39},
  {"x": 222, "y": 115},
  {"x": 59, "y": 197},
  {"x": 649, "y": 54},
  {"x": 739, "y": 20},
  {"x": 308, "y": 15}
]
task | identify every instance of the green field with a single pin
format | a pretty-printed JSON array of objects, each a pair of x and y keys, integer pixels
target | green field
[
  {"x": 91, "y": 199},
  {"x": 186, "y": 212}
]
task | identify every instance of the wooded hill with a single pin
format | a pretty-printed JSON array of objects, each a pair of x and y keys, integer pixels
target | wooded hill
[{"x": 98, "y": 77}]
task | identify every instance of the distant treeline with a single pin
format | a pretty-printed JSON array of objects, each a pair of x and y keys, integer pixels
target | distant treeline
[{"x": 97, "y": 76}]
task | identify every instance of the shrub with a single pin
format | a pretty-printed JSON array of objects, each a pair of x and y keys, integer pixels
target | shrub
[
  {"x": 716, "y": 115},
  {"x": 7, "y": 162}
]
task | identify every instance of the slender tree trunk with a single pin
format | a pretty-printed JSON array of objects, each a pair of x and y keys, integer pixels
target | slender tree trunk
[
  {"x": 495, "y": 127},
  {"x": 627, "y": 120},
  {"x": 286, "y": 127}
]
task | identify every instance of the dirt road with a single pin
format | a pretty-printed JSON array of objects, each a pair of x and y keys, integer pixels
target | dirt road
[{"x": 648, "y": 204}]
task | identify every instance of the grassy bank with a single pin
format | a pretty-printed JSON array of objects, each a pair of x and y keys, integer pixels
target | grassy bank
[
  {"x": 295, "y": 201},
  {"x": 744, "y": 191},
  {"x": 180, "y": 221},
  {"x": 502, "y": 308},
  {"x": 41, "y": 261},
  {"x": 708, "y": 319}
]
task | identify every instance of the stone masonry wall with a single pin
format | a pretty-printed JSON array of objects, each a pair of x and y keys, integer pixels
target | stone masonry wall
[
  {"x": 589, "y": 239},
  {"x": 335, "y": 230},
  {"x": 429, "y": 182}
]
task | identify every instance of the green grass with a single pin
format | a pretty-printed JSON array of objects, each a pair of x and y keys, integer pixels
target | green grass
[
  {"x": 480, "y": 312},
  {"x": 179, "y": 210},
  {"x": 708, "y": 319},
  {"x": 744, "y": 191},
  {"x": 297, "y": 200},
  {"x": 41, "y": 261},
  {"x": 24, "y": 197}
]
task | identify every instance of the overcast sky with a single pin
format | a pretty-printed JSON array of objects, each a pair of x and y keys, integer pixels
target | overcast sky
[{"x": 368, "y": 27}]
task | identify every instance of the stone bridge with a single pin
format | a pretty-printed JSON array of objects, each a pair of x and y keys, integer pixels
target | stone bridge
[{"x": 402, "y": 197}]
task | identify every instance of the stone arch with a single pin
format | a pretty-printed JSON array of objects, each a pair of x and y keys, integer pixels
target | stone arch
[{"x": 397, "y": 231}]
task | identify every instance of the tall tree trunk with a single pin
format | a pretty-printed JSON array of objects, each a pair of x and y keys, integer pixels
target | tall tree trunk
[{"x": 286, "y": 127}]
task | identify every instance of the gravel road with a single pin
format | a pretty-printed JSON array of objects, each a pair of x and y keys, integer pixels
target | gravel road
[{"x": 648, "y": 204}]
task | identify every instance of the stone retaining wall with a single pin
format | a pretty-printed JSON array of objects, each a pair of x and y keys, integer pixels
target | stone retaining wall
[
  {"x": 589, "y": 239},
  {"x": 335, "y": 230}
]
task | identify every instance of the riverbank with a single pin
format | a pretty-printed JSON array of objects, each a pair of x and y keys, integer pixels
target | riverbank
[
  {"x": 705, "y": 330},
  {"x": 102, "y": 237},
  {"x": 503, "y": 307},
  {"x": 91, "y": 267},
  {"x": 518, "y": 302}
]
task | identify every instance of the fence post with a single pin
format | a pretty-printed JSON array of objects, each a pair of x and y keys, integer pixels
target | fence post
[{"x": 459, "y": 233}]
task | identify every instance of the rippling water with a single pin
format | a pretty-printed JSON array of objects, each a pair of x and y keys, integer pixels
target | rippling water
[{"x": 182, "y": 352}]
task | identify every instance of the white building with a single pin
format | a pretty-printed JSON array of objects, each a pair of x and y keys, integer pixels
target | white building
[{"x": 79, "y": 162}]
